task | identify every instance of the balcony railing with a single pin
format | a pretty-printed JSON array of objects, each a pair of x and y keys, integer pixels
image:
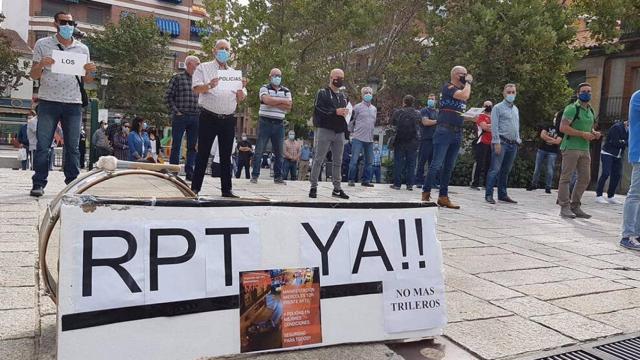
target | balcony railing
[{"x": 614, "y": 108}]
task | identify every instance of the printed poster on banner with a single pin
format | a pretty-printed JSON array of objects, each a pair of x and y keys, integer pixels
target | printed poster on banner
[{"x": 279, "y": 308}]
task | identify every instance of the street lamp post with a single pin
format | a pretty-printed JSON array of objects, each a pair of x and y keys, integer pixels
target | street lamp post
[{"x": 104, "y": 81}]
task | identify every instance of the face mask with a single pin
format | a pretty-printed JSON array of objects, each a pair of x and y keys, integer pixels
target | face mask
[
  {"x": 462, "y": 79},
  {"x": 510, "y": 98},
  {"x": 431, "y": 103},
  {"x": 337, "y": 82},
  {"x": 117, "y": 120},
  {"x": 104, "y": 126},
  {"x": 66, "y": 31},
  {"x": 488, "y": 108},
  {"x": 144, "y": 126},
  {"x": 244, "y": 138},
  {"x": 276, "y": 80},
  {"x": 367, "y": 98},
  {"x": 584, "y": 97},
  {"x": 292, "y": 136},
  {"x": 125, "y": 129},
  {"x": 222, "y": 56}
]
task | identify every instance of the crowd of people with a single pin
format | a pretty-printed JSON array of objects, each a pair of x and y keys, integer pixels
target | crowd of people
[{"x": 430, "y": 138}]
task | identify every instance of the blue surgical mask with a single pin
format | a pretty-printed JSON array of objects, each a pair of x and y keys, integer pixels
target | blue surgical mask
[
  {"x": 367, "y": 98},
  {"x": 584, "y": 97},
  {"x": 66, "y": 31},
  {"x": 510, "y": 98},
  {"x": 431, "y": 103},
  {"x": 144, "y": 126},
  {"x": 276, "y": 80},
  {"x": 222, "y": 56},
  {"x": 292, "y": 136}
]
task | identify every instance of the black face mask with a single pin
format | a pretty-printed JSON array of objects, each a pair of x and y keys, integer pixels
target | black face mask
[
  {"x": 338, "y": 82},
  {"x": 463, "y": 79},
  {"x": 488, "y": 108}
]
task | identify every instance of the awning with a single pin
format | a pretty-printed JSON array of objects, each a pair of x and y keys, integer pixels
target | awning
[
  {"x": 200, "y": 30},
  {"x": 168, "y": 26},
  {"x": 173, "y": 1}
]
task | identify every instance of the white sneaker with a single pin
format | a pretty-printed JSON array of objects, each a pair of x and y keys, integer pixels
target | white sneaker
[
  {"x": 601, "y": 200},
  {"x": 614, "y": 201}
]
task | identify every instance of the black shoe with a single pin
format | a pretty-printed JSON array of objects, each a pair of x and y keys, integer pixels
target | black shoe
[
  {"x": 340, "y": 194},
  {"x": 474, "y": 187},
  {"x": 69, "y": 181},
  {"x": 489, "y": 199},
  {"x": 395, "y": 187},
  {"x": 37, "y": 191},
  {"x": 508, "y": 200},
  {"x": 531, "y": 187},
  {"x": 229, "y": 194},
  {"x": 367, "y": 184},
  {"x": 189, "y": 177},
  {"x": 410, "y": 188},
  {"x": 547, "y": 190},
  {"x": 313, "y": 193}
]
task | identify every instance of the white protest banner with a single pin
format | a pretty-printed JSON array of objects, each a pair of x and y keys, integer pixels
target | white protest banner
[
  {"x": 103, "y": 115},
  {"x": 67, "y": 62},
  {"x": 230, "y": 80},
  {"x": 140, "y": 281}
]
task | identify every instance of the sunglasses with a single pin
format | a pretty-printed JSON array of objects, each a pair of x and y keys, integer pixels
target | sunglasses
[{"x": 67, "y": 22}]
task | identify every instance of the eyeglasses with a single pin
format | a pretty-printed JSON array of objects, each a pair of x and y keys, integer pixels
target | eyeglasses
[{"x": 67, "y": 22}]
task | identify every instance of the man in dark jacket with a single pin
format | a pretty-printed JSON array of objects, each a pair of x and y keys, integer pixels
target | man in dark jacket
[
  {"x": 406, "y": 121},
  {"x": 329, "y": 114},
  {"x": 23, "y": 139},
  {"x": 611, "y": 159}
]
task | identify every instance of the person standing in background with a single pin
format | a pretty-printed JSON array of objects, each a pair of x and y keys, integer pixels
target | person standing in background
[
  {"x": 245, "y": 153},
  {"x": 427, "y": 128},
  {"x": 361, "y": 126},
  {"x": 292, "y": 149},
  {"x": 305, "y": 156},
  {"x": 121, "y": 142},
  {"x": 482, "y": 148},
  {"x": 631, "y": 213},
  {"x": 611, "y": 158}
]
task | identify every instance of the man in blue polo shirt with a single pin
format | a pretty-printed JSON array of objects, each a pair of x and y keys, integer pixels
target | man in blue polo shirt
[
  {"x": 427, "y": 128},
  {"x": 448, "y": 135},
  {"x": 631, "y": 213}
]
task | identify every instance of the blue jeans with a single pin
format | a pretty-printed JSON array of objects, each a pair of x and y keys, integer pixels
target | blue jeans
[
  {"x": 500, "y": 168},
  {"x": 376, "y": 173},
  {"x": 270, "y": 130},
  {"x": 425, "y": 156},
  {"x": 290, "y": 167},
  {"x": 446, "y": 147},
  {"x": 611, "y": 166},
  {"x": 631, "y": 213},
  {"x": 404, "y": 163},
  {"x": 356, "y": 147},
  {"x": 550, "y": 157},
  {"x": 69, "y": 115},
  {"x": 180, "y": 124}
]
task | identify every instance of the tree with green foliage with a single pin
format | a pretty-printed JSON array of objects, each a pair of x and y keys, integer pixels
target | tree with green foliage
[
  {"x": 607, "y": 20},
  {"x": 12, "y": 71},
  {"x": 136, "y": 57}
]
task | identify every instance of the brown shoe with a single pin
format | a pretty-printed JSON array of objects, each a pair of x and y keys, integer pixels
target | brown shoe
[
  {"x": 426, "y": 196},
  {"x": 445, "y": 202}
]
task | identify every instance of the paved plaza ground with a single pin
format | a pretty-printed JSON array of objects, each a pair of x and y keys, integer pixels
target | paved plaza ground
[{"x": 519, "y": 278}]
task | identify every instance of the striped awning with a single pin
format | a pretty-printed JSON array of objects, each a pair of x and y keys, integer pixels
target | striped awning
[
  {"x": 200, "y": 30},
  {"x": 173, "y": 1},
  {"x": 168, "y": 26}
]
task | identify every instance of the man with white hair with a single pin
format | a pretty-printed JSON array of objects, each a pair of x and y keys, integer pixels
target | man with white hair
[
  {"x": 183, "y": 104},
  {"x": 361, "y": 126},
  {"x": 217, "y": 118}
]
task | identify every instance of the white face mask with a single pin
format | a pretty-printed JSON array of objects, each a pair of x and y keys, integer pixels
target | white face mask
[
  {"x": 292, "y": 136},
  {"x": 244, "y": 138}
]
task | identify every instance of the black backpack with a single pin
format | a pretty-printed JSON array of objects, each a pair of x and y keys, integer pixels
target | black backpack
[{"x": 407, "y": 125}]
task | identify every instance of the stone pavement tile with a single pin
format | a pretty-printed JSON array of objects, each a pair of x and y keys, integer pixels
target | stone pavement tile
[
  {"x": 629, "y": 282},
  {"x": 601, "y": 303},
  {"x": 17, "y": 297},
  {"x": 454, "y": 244},
  {"x": 547, "y": 239},
  {"x": 527, "y": 306},
  {"x": 11, "y": 246},
  {"x": 489, "y": 263},
  {"x": 17, "y": 276},
  {"x": 576, "y": 326},
  {"x": 504, "y": 336},
  {"x": 527, "y": 252},
  {"x": 20, "y": 349},
  {"x": 479, "y": 251},
  {"x": 625, "y": 274},
  {"x": 478, "y": 287},
  {"x": 625, "y": 320},
  {"x": 609, "y": 274},
  {"x": 443, "y": 236},
  {"x": 17, "y": 324},
  {"x": 22, "y": 258},
  {"x": 461, "y": 306},
  {"x": 47, "y": 340},
  {"x": 533, "y": 276},
  {"x": 585, "y": 249},
  {"x": 351, "y": 352},
  {"x": 18, "y": 221},
  {"x": 18, "y": 237},
  {"x": 628, "y": 259},
  {"x": 470, "y": 233},
  {"x": 567, "y": 288},
  {"x": 528, "y": 230},
  {"x": 576, "y": 259}
]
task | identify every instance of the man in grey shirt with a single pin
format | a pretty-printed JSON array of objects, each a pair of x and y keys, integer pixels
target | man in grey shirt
[
  {"x": 505, "y": 138},
  {"x": 60, "y": 101},
  {"x": 361, "y": 127}
]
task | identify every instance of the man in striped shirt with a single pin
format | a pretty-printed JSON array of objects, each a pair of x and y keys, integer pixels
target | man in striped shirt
[{"x": 275, "y": 103}]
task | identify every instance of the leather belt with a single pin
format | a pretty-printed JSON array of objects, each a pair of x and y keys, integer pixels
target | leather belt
[
  {"x": 507, "y": 141},
  {"x": 454, "y": 128}
]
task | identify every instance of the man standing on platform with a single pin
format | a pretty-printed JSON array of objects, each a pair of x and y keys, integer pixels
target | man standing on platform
[
  {"x": 577, "y": 124},
  {"x": 183, "y": 103},
  {"x": 427, "y": 128},
  {"x": 60, "y": 101},
  {"x": 631, "y": 214},
  {"x": 275, "y": 103},
  {"x": 245, "y": 153},
  {"x": 216, "y": 117},
  {"x": 505, "y": 138},
  {"x": 329, "y": 114},
  {"x": 361, "y": 126},
  {"x": 448, "y": 135},
  {"x": 292, "y": 149}
]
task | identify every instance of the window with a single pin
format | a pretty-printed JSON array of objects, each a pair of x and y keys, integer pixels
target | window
[
  {"x": 96, "y": 16},
  {"x": 43, "y": 34},
  {"x": 51, "y": 7},
  {"x": 576, "y": 77}
]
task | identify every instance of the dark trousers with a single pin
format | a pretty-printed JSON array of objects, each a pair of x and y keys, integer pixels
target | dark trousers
[
  {"x": 482, "y": 154},
  {"x": 243, "y": 163},
  {"x": 180, "y": 124},
  {"x": 211, "y": 125},
  {"x": 424, "y": 158},
  {"x": 404, "y": 164},
  {"x": 612, "y": 170}
]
